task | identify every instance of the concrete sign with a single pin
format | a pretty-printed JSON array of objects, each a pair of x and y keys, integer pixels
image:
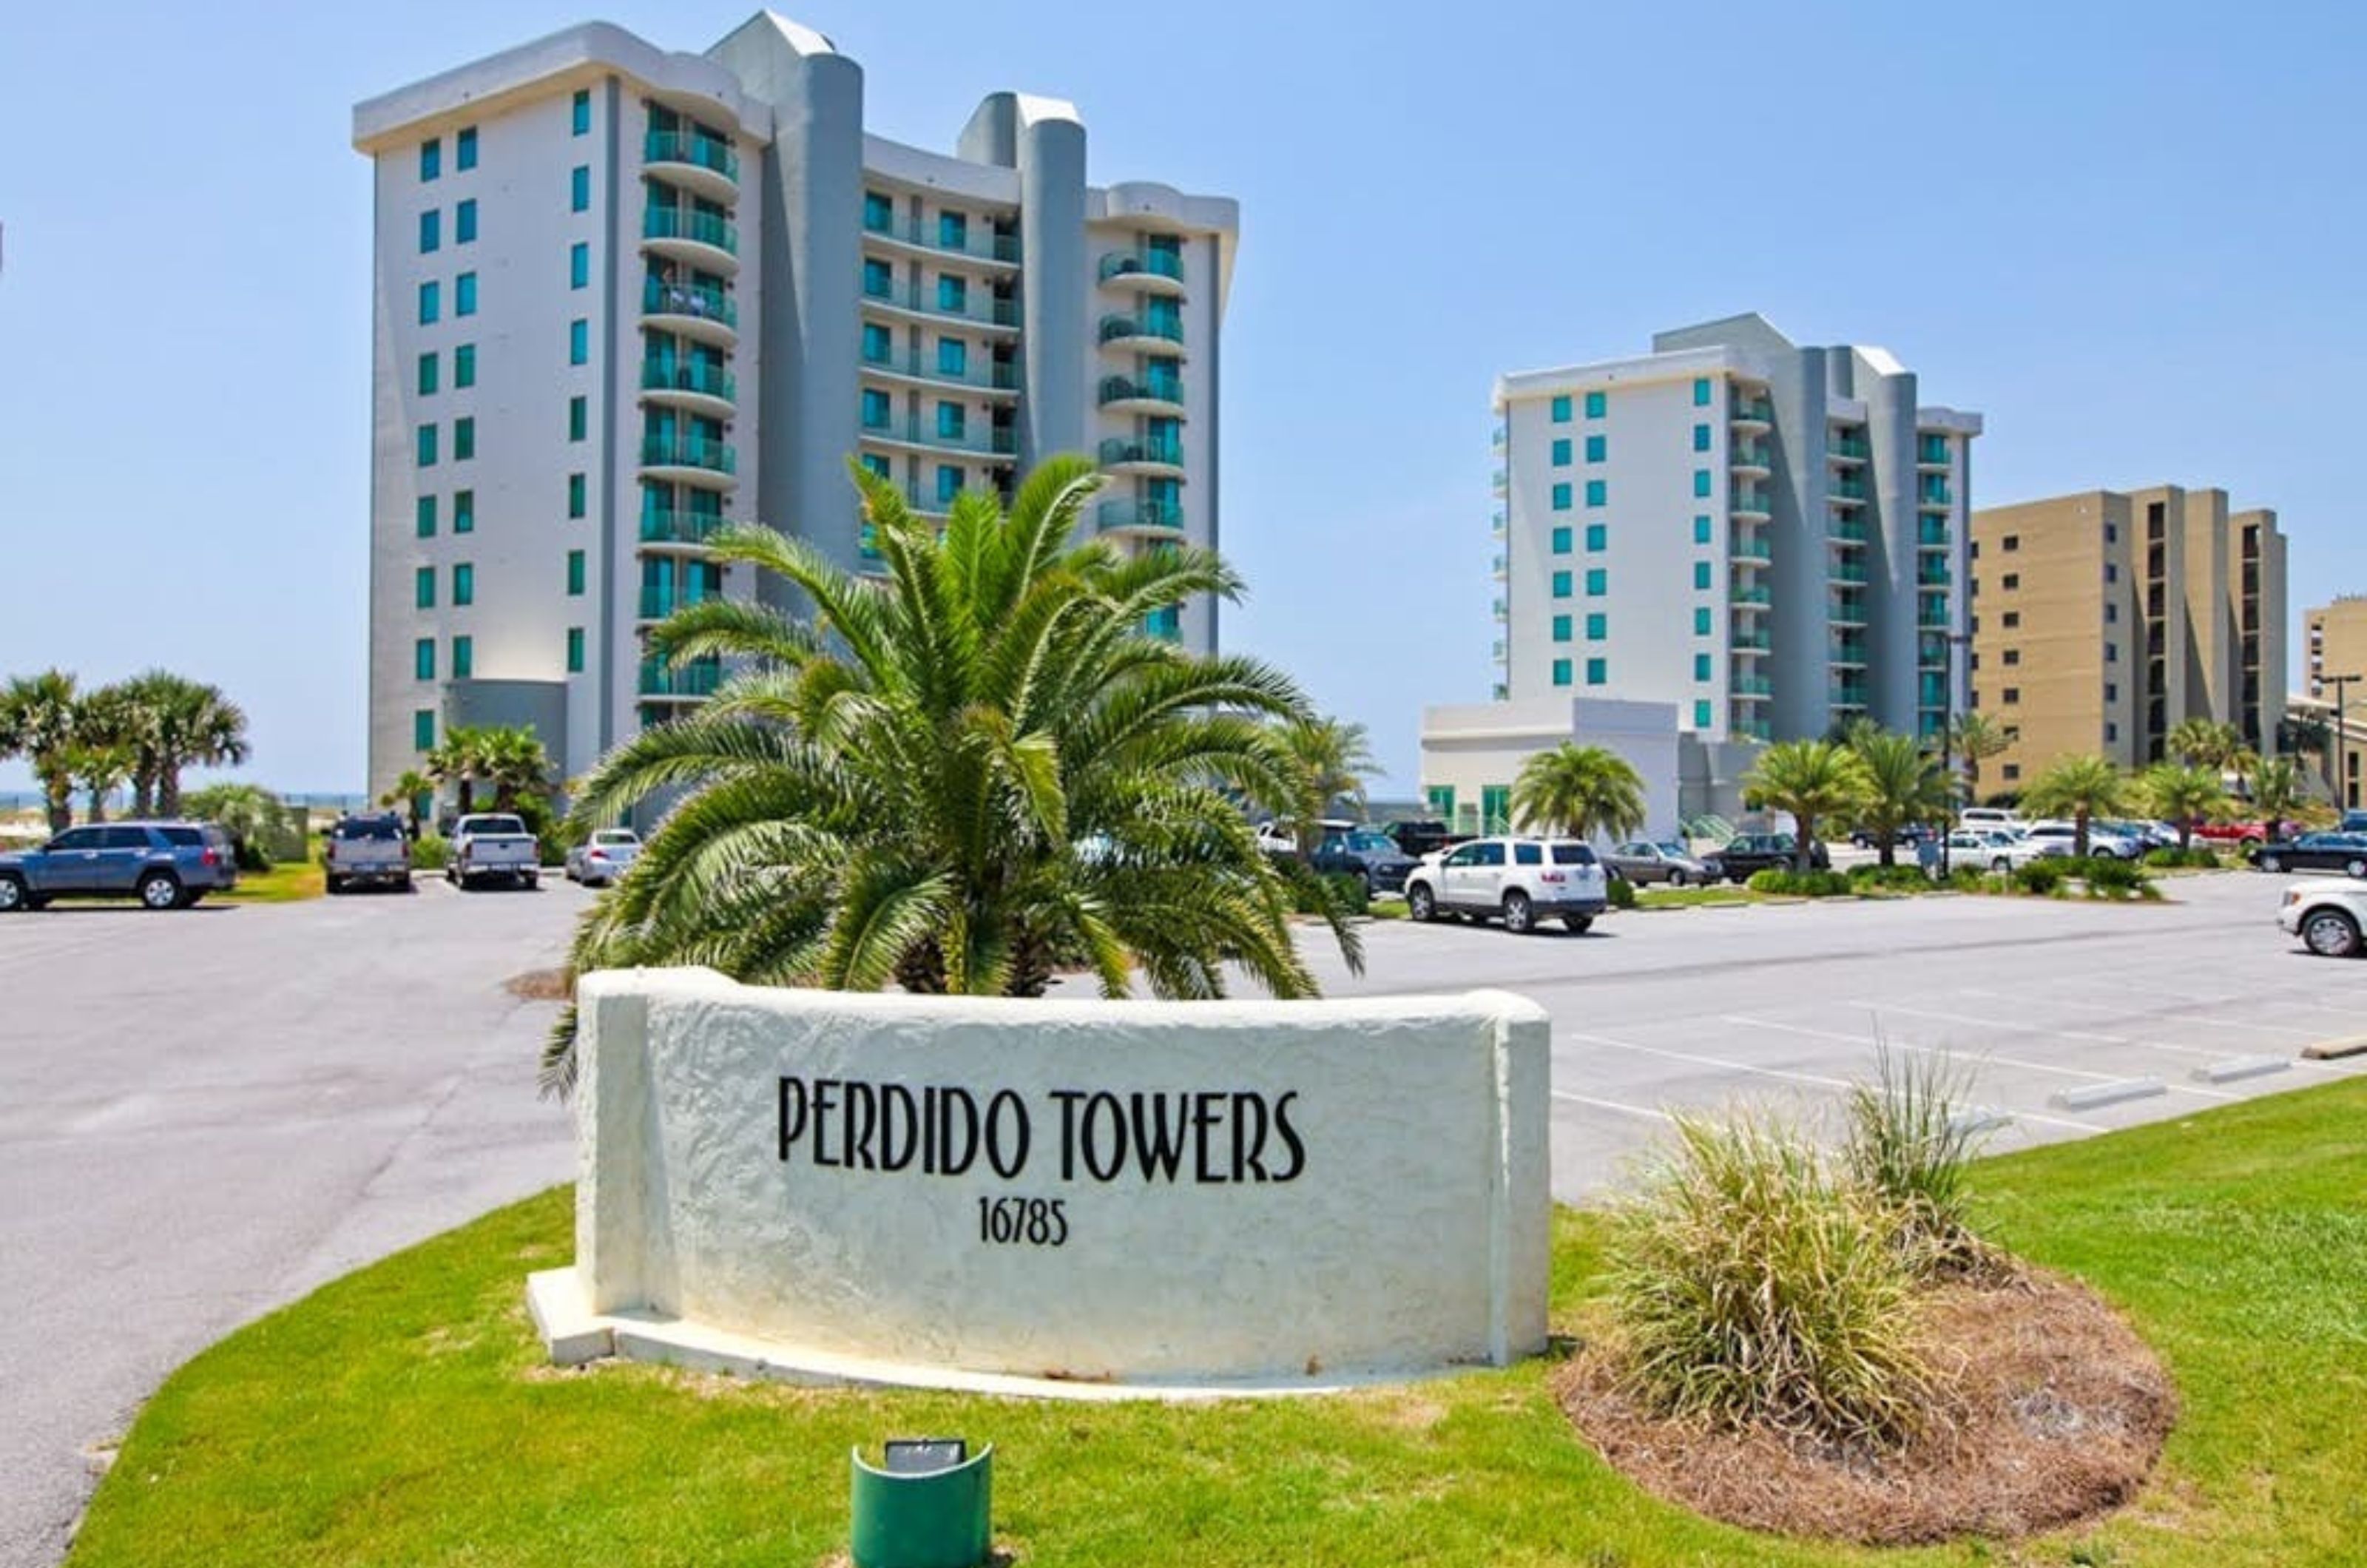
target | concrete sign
[{"x": 1089, "y": 1194}]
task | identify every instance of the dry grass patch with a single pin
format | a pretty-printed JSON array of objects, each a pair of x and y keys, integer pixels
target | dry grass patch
[{"x": 541, "y": 986}]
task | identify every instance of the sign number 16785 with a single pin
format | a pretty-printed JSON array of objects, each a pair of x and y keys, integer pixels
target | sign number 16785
[{"x": 1013, "y": 1222}]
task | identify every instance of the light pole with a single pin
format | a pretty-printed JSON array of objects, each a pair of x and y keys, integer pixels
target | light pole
[{"x": 2336, "y": 752}]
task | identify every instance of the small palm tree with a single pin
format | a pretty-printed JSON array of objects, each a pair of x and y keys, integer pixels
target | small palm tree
[
  {"x": 2276, "y": 788},
  {"x": 173, "y": 723},
  {"x": 1902, "y": 785},
  {"x": 515, "y": 764},
  {"x": 38, "y": 715},
  {"x": 409, "y": 791},
  {"x": 1580, "y": 791},
  {"x": 959, "y": 778},
  {"x": 2181, "y": 795},
  {"x": 1329, "y": 759},
  {"x": 2201, "y": 743},
  {"x": 1976, "y": 736},
  {"x": 2081, "y": 787},
  {"x": 1812, "y": 780},
  {"x": 459, "y": 759}
]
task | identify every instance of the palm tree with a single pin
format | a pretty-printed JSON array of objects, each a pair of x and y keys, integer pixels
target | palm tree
[
  {"x": 106, "y": 745},
  {"x": 174, "y": 723},
  {"x": 38, "y": 715},
  {"x": 1902, "y": 785},
  {"x": 254, "y": 818},
  {"x": 2080, "y": 786},
  {"x": 2201, "y": 743},
  {"x": 409, "y": 790},
  {"x": 514, "y": 763},
  {"x": 958, "y": 778},
  {"x": 1328, "y": 757},
  {"x": 2181, "y": 795},
  {"x": 1810, "y": 779},
  {"x": 2308, "y": 734},
  {"x": 2276, "y": 789},
  {"x": 1580, "y": 791},
  {"x": 1976, "y": 736},
  {"x": 459, "y": 759}
]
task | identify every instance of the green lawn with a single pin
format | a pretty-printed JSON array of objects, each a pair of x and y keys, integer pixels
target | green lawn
[
  {"x": 283, "y": 884},
  {"x": 402, "y": 1415}
]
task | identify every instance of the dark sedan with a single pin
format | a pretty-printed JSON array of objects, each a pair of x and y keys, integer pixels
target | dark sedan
[
  {"x": 2345, "y": 853},
  {"x": 1749, "y": 853},
  {"x": 1367, "y": 852}
]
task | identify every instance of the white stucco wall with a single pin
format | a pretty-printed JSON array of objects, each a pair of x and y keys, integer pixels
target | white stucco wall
[
  {"x": 1401, "y": 1221},
  {"x": 1469, "y": 747}
]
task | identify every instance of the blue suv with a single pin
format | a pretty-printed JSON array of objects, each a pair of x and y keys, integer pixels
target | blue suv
[{"x": 165, "y": 865}]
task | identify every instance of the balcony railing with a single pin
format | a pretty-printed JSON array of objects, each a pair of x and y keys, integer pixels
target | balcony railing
[
  {"x": 1931, "y": 577},
  {"x": 994, "y": 313},
  {"x": 1751, "y": 501},
  {"x": 1750, "y": 642},
  {"x": 1751, "y": 596},
  {"x": 657, "y": 603},
  {"x": 1125, "y": 389},
  {"x": 1848, "y": 446},
  {"x": 1755, "y": 551},
  {"x": 660, "y": 297},
  {"x": 1139, "y": 514},
  {"x": 1159, "y": 264},
  {"x": 689, "y": 376},
  {"x": 677, "y": 147},
  {"x": 1935, "y": 495},
  {"x": 984, "y": 374},
  {"x": 1751, "y": 730},
  {"x": 1847, "y": 530},
  {"x": 1930, "y": 534},
  {"x": 1759, "y": 408},
  {"x": 1845, "y": 609},
  {"x": 1850, "y": 694},
  {"x": 1752, "y": 455},
  {"x": 1932, "y": 451},
  {"x": 1848, "y": 489},
  {"x": 986, "y": 245},
  {"x": 1849, "y": 572},
  {"x": 1751, "y": 686},
  {"x": 1934, "y": 614},
  {"x": 689, "y": 223},
  {"x": 1849, "y": 650},
  {"x": 987, "y": 441},
  {"x": 1114, "y": 328},
  {"x": 668, "y": 524},
  {"x": 1120, "y": 449},
  {"x": 692, "y": 680},
  {"x": 689, "y": 452}
]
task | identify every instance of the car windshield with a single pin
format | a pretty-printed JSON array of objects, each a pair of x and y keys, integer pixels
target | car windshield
[
  {"x": 367, "y": 827},
  {"x": 1670, "y": 847},
  {"x": 1371, "y": 842},
  {"x": 615, "y": 838},
  {"x": 497, "y": 825}
]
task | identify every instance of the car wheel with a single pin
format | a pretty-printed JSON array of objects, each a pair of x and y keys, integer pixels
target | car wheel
[
  {"x": 2330, "y": 934},
  {"x": 2271, "y": 863},
  {"x": 1518, "y": 919},
  {"x": 332, "y": 886},
  {"x": 409, "y": 885},
  {"x": 2001, "y": 866},
  {"x": 12, "y": 896},
  {"x": 158, "y": 890},
  {"x": 2356, "y": 870},
  {"x": 1419, "y": 905},
  {"x": 1580, "y": 924},
  {"x": 1676, "y": 879}
]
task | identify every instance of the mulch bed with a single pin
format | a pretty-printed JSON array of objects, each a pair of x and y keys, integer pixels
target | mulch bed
[{"x": 2053, "y": 1411}]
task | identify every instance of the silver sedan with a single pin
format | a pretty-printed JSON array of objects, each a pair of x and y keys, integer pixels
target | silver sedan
[{"x": 1643, "y": 862}]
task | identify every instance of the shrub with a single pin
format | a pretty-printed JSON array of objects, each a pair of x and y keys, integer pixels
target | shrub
[
  {"x": 1800, "y": 884},
  {"x": 1900, "y": 878},
  {"x": 1907, "y": 1141},
  {"x": 1314, "y": 893},
  {"x": 2110, "y": 878},
  {"x": 2044, "y": 877},
  {"x": 1969, "y": 878},
  {"x": 1751, "y": 1281},
  {"x": 430, "y": 852},
  {"x": 1622, "y": 892},
  {"x": 2195, "y": 857}
]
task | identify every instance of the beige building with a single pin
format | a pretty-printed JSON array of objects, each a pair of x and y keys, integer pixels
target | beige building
[
  {"x": 2100, "y": 620},
  {"x": 2337, "y": 649}
]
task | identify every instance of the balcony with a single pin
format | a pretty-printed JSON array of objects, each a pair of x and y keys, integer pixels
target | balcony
[
  {"x": 669, "y": 525},
  {"x": 1756, "y": 454},
  {"x": 1849, "y": 653},
  {"x": 1140, "y": 331},
  {"x": 1750, "y": 642},
  {"x": 1751, "y": 730},
  {"x": 695, "y": 310},
  {"x": 1845, "y": 610},
  {"x": 1850, "y": 694},
  {"x": 694, "y": 459},
  {"x": 1932, "y": 615},
  {"x": 1846, "y": 531},
  {"x": 1157, "y": 395},
  {"x": 1849, "y": 570},
  {"x": 1496, "y": 569},
  {"x": 984, "y": 376},
  {"x": 1752, "y": 598},
  {"x": 1851, "y": 491},
  {"x": 979, "y": 441},
  {"x": 986, "y": 246},
  {"x": 1163, "y": 518},
  {"x": 1499, "y": 438},
  {"x": 1931, "y": 454},
  {"x": 1751, "y": 502},
  {"x": 1932, "y": 574},
  {"x": 1849, "y": 448},
  {"x": 697, "y": 385},
  {"x": 691, "y": 682},
  {"x": 702, "y": 163},
  {"x": 1936, "y": 498},
  {"x": 1750, "y": 686},
  {"x": 1125, "y": 455},
  {"x": 1497, "y": 523},
  {"x": 1930, "y": 534},
  {"x": 657, "y": 603},
  {"x": 1152, "y": 272},
  {"x": 1753, "y": 410},
  {"x": 986, "y": 313},
  {"x": 700, "y": 238},
  {"x": 1751, "y": 550}
]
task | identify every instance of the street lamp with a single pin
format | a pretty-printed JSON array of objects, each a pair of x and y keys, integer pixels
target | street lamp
[
  {"x": 2337, "y": 749},
  {"x": 1948, "y": 749}
]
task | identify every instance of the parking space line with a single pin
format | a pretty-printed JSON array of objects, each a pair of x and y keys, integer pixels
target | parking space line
[
  {"x": 1612, "y": 1105},
  {"x": 2062, "y": 1035},
  {"x": 1731, "y": 1066},
  {"x": 2272, "y": 999},
  {"x": 2123, "y": 1012},
  {"x": 1943, "y": 1051}
]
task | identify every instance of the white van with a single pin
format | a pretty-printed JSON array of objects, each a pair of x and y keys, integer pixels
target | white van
[{"x": 1988, "y": 817}]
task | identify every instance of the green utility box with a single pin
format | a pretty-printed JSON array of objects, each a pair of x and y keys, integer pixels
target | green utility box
[{"x": 930, "y": 1506}]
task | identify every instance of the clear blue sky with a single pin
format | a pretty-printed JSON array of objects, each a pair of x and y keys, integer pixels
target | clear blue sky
[{"x": 2128, "y": 234}]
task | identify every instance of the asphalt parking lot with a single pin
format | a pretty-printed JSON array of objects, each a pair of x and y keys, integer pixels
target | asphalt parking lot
[{"x": 205, "y": 1114}]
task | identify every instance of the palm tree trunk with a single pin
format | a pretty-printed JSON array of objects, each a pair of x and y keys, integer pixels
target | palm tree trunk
[
  {"x": 57, "y": 796},
  {"x": 168, "y": 790},
  {"x": 99, "y": 803},
  {"x": 1888, "y": 848},
  {"x": 2080, "y": 837},
  {"x": 143, "y": 793},
  {"x": 467, "y": 795},
  {"x": 1802, "y": 855}
]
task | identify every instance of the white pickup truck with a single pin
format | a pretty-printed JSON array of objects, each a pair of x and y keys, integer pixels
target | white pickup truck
[{"x": 494, "y": 844}]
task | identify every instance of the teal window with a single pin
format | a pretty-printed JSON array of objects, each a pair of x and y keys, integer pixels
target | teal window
[
  {"x": 431, "y": 159},
  {"x": 426, "y": 374},
  {"x": 1598, "y": 492},
  {"x": 1701, "y": 483},
  {"x": 1441, "y": 800},
  {"x": 1701, "y": 666},
  {"x": 1561, "y": 410},
  {"x": 431, "y": 231},
  {"x": 874, "y": 463},
  {"x": 464, "y": 147},
  {"x": 1701, "y": 530},
  {"x": 878, "y": 343},
  {"x": 575, "y": 651},
  {"x": 431, "y": 302},
  {"x": 949, "y": 481},
  {"x": 1561, "y": 453},
  {"x": 464, "y": 366},
  {"x": 1701, "y": 391},
  {"x": 423, "y": 588},
  {"x": 1562, "y": 671},
  {"x": 1561, "y": 541},
  {"x": 1598, "y": 626},
  {"x": 579, "y": 189},
  {"x": 874, "y": 409},
  {"x": 1496, "y": 809},
  {"x": 1701, "y": 715},
  {"x": 426, "y": 515},
  {"x": 422, "y": 730},
  {"x": 464, "y": 294},
  {"x": 464, "y": 512},
  {"x": 580, "y": 122},
  {"x": 1561, "y": 628},
  {"x": 952, "y": 294},
  {"x": 464, "y": 439},
  {"x": 464, "y": 221},
  {"x": 1701, "y": 438},
  {"x": 952, "y": 356},
  {"x": 1701, "y": 574},
  {"x": 574, "y": 495},
  {"x": 953, "y": 231},
  {"x": 1598, "y": 670},
  {"x": 1701, "y": 622},
  {"x": 579, "y": 416},
  {"x": 575, "y": 573},
  {"x": 464, "y": 658},
  {"x": 1561, "y": 498},
  {"x": 578, "y": 264},
  {"x": 579, "y": 341},
  {"x": 953, "y": 422},
  {"x": 1598, "y": 536},
  {"x": 464, "y": 584},
  {"x": 1598, "y": 581},
  {"x": 878, "y": 277},
  {"x": 423, "y": 660},
  {"x": 1596, "y": 404},
  {"x": 1561, "y": 585},
  {"x": 426, "y": 441},
  {"x": 879, "y": 211},
  {"x": 1598, "y": 447}
]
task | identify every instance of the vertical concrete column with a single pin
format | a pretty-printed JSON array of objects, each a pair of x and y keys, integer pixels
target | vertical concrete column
[
  {"x": 1055, "y": 286},
  {"x": 1800, "y": 633},
  {"x": 1892, "y": 637}
]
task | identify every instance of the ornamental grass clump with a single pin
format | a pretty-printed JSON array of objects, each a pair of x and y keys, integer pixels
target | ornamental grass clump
[
  {"x": 1755, "y": 1282},
  {"x": 1909, "y": 1142}
]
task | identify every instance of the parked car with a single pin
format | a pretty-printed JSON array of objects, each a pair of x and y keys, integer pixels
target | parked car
[
  {"x": 1644, "y": 863},
  {"x": 2354, "y": 822},
  {"x": 1991, "y": 849},
  {"x": 2063, "y": 839},
  {"x": 1522, "y": 880},
  {"x": 366, "y": 848},
  {"x": 1988, "y": 817},
  {"x": 602, "y": 858},
  {"x": 1746, "y": 854},
  {"x": 2146, "y": 835},
  {"x": 1280, "y": 836},
  {"x": 1365, "y": 853},
  {"x": 2345, "y": 853},
  {"x": 165, "y": 865},
  {"x": 2235, "y": 833},
  {"x": 2327, "y": 916},
  {"x": 1905, "y": 837},
  {"x": 1422, "y": 835},
  {"x": 494, "y": 844}
]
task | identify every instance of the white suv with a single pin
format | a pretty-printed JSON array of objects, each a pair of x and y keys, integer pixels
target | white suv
[
  {"x": 2329, "y": 917},
  {"x": 1522, "y": 880},
  {"x": 2063, "y": 839}
]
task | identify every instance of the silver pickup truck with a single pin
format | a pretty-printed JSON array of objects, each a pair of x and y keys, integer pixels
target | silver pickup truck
[
  {"x": 491, "y": 845},
  {"x": 366, "y": 850}
]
